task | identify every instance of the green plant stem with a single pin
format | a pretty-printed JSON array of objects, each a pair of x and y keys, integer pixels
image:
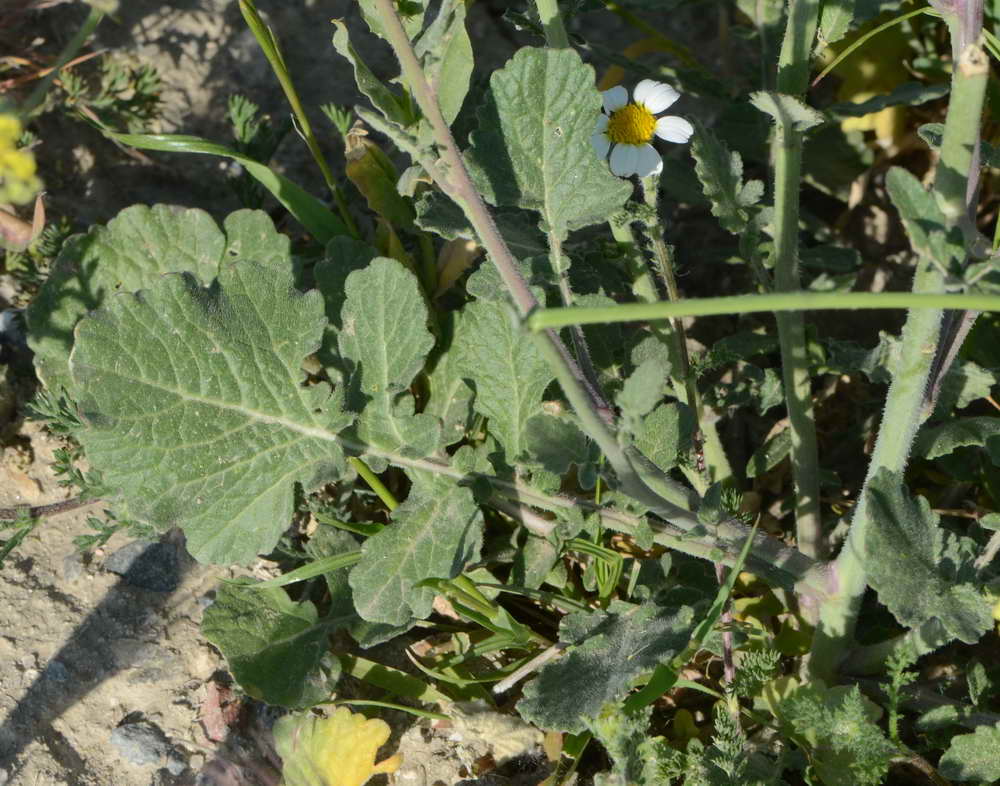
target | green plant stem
[
  {"x": 644, "y": 482},
  {"x": 560, "y": 270},
  {"x": 910, "y": 375},
  {"x": 546, "y": 319},
  {"x": 68, "y": 53},
  {"x": 552, "y": 24},
  {"x": 666, "y": 496},
  {"x": 269, "y": 44},
  {"x": 373, "y": 481},
  {"x": 793, "y": 79}
]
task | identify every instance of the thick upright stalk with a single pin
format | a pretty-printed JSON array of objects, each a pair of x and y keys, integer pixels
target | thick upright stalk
[
  {"x": 904, "y": 403},
  {"x": 793, "y": 78}
]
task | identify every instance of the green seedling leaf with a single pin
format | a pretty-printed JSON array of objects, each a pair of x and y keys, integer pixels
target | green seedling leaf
[
  {"x": 307, "y": 209},
  {"x": 768, "y": 455},
  {"x": 721, "y": 174},
  {"x": 195, "y": 410},
  {"x": 136, "y": 247},
  {"x": 339, "y": 750},
  {"x": 904, "y": 555},
  {"x": 385, "y": 100},
  {"x": 433, "y": 534},
  {"x": 973, "y": 757},
  {"x": 960, "y": 433},
  {"x": 612, "y": 649},
  {"x": 789, "y": 112},
  {"x": 445, "y": 53},
  {"x": 385, "y": 340},
  {"x": 907, "y": 94},
  {"x": 533, "y": 149},
  {"x": 273, "y": 645},
  {"x": 505, "y": 368}
]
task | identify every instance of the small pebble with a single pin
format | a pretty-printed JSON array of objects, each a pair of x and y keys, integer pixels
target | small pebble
[{"x": 141, "y": 742}]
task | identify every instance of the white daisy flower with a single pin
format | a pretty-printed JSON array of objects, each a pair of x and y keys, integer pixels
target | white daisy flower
[{"x": 626, "y": 129}]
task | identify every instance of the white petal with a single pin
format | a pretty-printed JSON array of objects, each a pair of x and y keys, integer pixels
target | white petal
[
  {"x": 655, "y": 96},
  {"x": 674, "y": 129},
  {"x": 601, "y": 144},
  {"x": 601, "y": 125},
  {"x": 615, "y": 98},
  {"x": 648, "y": 162},
  {"x": 624, "y": 159}
]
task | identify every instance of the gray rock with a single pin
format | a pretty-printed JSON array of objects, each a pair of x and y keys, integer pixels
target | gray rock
[
  {"x": 72, "y": 566},
  {"x": 141, "y": 742},
  {"x": 56, "y": 671},
  {"x": 176, "y": 763},
  {"x": 148, "y": 566}
]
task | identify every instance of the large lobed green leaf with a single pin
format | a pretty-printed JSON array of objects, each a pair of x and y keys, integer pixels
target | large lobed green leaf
[
  {"x": 908, "y": 562},
  {"x": 613, "y": 648},
  {"x": 533, "y": 150},
  {"x": 133, "y": 251},
  {"x": 433, "y": 534},
  {"x": 195, "y": 407}
]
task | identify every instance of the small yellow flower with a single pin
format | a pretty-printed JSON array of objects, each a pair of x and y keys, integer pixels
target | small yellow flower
[
  {"x": 18, "y": 181},
  {"x": 627, "y": 128}
]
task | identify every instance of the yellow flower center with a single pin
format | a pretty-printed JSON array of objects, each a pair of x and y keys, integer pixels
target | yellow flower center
[{"x": 633, "y": 124}]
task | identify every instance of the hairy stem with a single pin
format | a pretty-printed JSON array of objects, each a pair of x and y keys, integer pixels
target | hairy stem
[
  {"x": 639, "y": 478},
  {"x": 904, "y": 403},
  {"x": 793, "y": 78}
]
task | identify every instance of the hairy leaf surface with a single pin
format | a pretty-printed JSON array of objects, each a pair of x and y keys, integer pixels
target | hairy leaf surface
[
  {"x": 433, "y": 534},
  {"x": 614, "y": 648},
  {"x": 721, "y": 174},
  {"x": 384, "y": 337},
  {"x": 508, "y": 372},
  {"x": 905, "y": 550},
  {"x": 196, "y": 411},
  {"x": 137, "y": 247},
  {"x": 973, "y": 757},
  {"x": 533, "y": 147}
]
